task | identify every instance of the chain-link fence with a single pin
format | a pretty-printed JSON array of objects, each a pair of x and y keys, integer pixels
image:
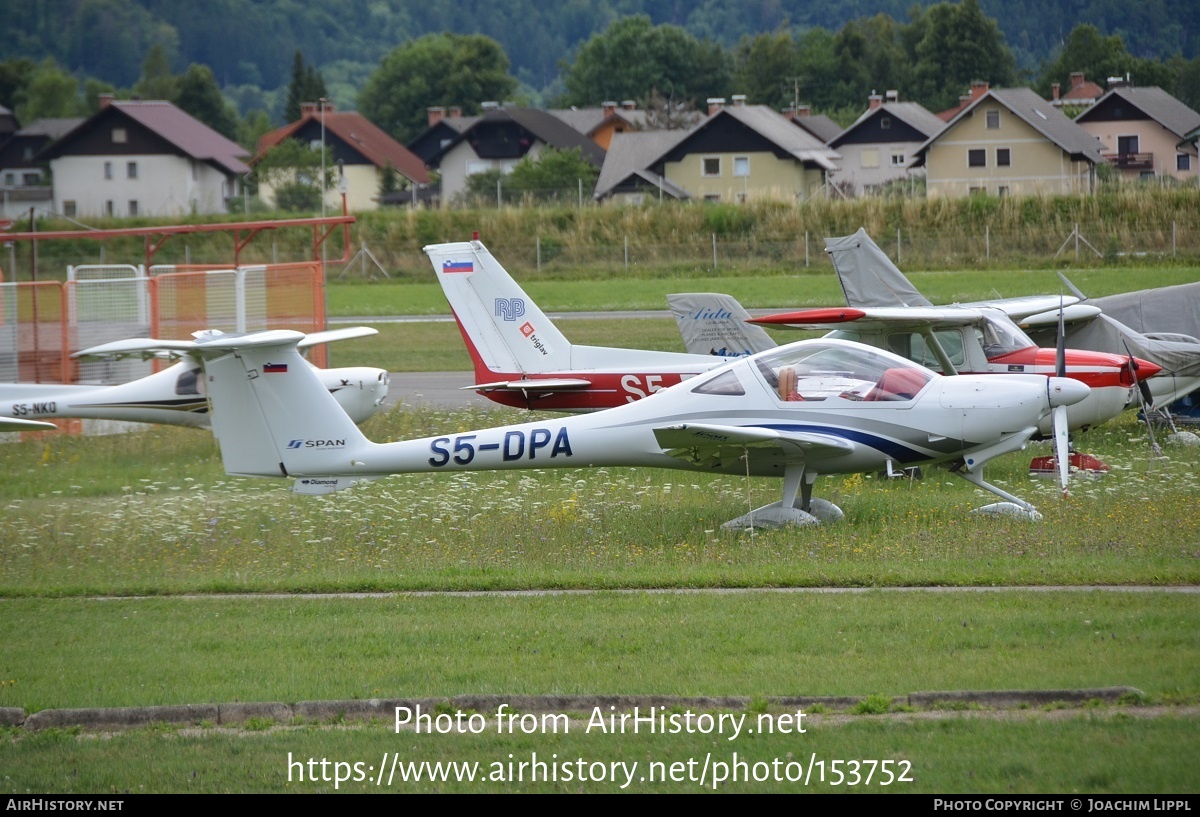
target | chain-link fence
[{"x": 911, "y": 250}]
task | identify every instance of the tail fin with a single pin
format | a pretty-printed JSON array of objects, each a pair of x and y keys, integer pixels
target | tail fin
[
  {"x": 271, "y": 414},
  {"x": 715, "y": 324},
  {"x": 868, "y": 277},
  {"x": 504, "y": 329}
]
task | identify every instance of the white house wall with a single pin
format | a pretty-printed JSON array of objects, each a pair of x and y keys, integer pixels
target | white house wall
[
  {"x": 164, "y": 186},
  {"x": 857, "y": 167}
]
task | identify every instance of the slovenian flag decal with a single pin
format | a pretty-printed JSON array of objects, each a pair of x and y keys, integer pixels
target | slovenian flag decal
[
  {"x": 458, "y": 266},
  {"x": 272, "y": 368}
]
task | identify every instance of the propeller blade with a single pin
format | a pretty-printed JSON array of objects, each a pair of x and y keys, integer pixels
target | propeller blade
[
  {"x": 1145, "y": 397},
  {"x": 1061, "y": 453},
  {"x": 1074, "y": 289},
  {"x": 1060, "y": 355}
]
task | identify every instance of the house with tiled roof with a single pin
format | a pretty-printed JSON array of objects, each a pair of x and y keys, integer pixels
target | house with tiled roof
[
  {"x": 817, "y": 124},
  {"x": 742, "y": 152},
  {"x": 445, "y": 125},
  {"x": 365, "y": 153},
  {"x": 1083, "y": 93},
  {"x": 625, "y": 176},
  {"x": 499, "y": 139},
  {"x": 737, "y": 153},
  {"x": 601, "y": 124},
  {"x": 878, "y": 148},
  {"x": 143, "y": 158},
  {"x": 1145, "y": 132},
  {"x": 1009, "y": 141},
  {"x": 24, "y": 182}
]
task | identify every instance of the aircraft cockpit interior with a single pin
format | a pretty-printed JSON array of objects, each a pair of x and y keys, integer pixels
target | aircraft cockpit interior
[{"x": 814, "y": 372}]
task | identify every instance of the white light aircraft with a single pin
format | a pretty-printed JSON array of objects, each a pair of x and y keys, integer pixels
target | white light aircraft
[
  {"x": 521, "y": 359},
  {"x": 797, "y": 412},
  {"x": 175, "y": 396}
]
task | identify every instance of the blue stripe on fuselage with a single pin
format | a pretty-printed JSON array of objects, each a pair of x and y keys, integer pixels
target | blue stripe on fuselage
[{"x": 893, "y": 449}]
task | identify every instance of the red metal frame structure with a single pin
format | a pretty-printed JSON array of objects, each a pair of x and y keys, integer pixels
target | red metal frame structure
[{"x": 243, "y": 233}]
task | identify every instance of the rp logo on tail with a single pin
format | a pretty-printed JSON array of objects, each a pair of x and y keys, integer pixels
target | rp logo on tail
[{"x": 510, "y": 309}]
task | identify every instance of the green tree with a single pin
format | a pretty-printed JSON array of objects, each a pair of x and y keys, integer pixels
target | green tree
[
  {"x": 251, "y": 128},
  {"x": 15, "y": 76},
  {"x": 633, "y": 56},
  {"x": 553, "y": 174},
  {"x": 389, "y": 181},
  {"x": 293, "y": 170},
  {"x": 199, "y": 95},
  {"x": 818, "y": 72},
  {"x": 307, "y": 85},
  {"x": 959, "y": 43},
  {"x": 51, "y": 93},
  {"x": 437, "y": 69},
  {"x": 157, "y": 81},
  {"x": 766, "y": 68}
]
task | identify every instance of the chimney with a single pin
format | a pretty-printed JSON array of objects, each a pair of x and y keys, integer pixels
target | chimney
[
  {"x": 739, "y": 100},
  {"x": 608, "y": 108},
  {"x": 105, "y": 100},
  {"x": 789, "y": 112},
  {"x": 892, "y": 96},
  {"x": 874, "y": 101},
  {"x": 1076, "y": 79},
  {"x": 489, "y": 106},
  {"x": 434, "y": 114},
  {"x": 1054, "y": 91},
  {"x": 715, "y": 103},
  {"x": 629, "y": 105},
  {"x": 979, "y": 87},
  {"x": 309, "y": 108},
  {"x": 455, "y": 111},
  {"x": 803, "y": 111}
]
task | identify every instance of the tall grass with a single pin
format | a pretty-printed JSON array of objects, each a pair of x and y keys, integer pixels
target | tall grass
[{"x": 153, "y": 513}]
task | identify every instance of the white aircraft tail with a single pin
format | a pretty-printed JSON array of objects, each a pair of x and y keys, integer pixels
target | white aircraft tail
[
  {"x": 271, "y": 414},
  {"x": 715, "y": 324},
  {"x": 504, "y": 329}
]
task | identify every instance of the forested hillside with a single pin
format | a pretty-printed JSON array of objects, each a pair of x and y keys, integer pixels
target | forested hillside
[{"x": 252, "y": 42}]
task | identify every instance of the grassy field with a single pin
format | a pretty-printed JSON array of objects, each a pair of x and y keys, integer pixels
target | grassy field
[
  {"x": 590, "y": 291},
  {"x": 149, "y": 522}
]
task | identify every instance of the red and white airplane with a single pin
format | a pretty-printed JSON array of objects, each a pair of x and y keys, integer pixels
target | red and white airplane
[
  {"x": 975, "y": 338},
  {"x": 521, "y": 359}
]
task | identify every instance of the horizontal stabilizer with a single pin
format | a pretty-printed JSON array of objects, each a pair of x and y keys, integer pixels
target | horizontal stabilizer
[
  {"x": 315, "y": 486},
  {"x": 532, "y": 385},
  {"x": 154, "y": 347},
  {"x": 330, "y": 335}
]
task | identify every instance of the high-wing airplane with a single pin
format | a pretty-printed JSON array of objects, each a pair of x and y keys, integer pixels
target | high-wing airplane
[
  {"x": 977, "y": 338},
  {"x": 175, "y": 396},
  {"x": 521, "y": 359},
  {"x": 806, "y": 409}
]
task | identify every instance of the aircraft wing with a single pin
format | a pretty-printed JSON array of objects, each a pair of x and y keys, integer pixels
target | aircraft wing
[
  {"x": 140, "y": 347},
  {"x": 699, "y": 442},
  {"x": 532, "y": 385},
  {"x": 17, "y": 424},
  {"x": 892, "y": 317}
]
